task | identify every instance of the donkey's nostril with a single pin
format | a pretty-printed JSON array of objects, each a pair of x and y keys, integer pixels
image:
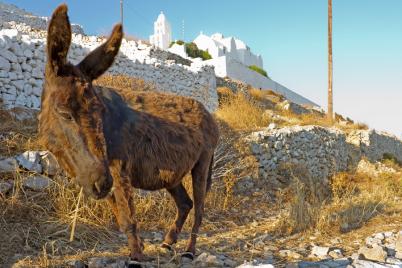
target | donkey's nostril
[{"x": 98, "y": 187}]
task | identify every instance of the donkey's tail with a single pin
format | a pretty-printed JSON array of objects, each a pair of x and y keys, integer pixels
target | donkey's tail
[{"x": 209, "y": 178}]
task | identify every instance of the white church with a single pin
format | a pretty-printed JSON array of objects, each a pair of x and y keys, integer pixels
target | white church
[
  {"x": 217, "y": 45},
  {"x": 162, "y": 36},
  {"x": 231, "y": 57}
]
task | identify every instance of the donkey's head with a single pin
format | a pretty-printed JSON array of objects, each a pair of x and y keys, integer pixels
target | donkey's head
[{"x": 71, "y": 117}]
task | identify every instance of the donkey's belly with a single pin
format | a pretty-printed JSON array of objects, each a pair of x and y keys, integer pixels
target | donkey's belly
[{"x": 156, "y": 180}]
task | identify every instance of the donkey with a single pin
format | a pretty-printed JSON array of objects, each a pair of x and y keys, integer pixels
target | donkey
[{"x": 105, "y": 137}]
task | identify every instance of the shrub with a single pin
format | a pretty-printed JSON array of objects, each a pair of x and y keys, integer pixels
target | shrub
[
  {"x": 258, "y": 70},
  {"x": 179, "y": 42},
  {"x": 194, "y": 52}
]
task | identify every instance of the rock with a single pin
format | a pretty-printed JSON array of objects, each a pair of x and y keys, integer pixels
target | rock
[
  {"x": 8, "y": 165},
  {"x": 392, "y": 260},
  {"x": 158, "y": 237},
  {"x": 336, "y": 253},
  {"x": 320, "y": 251},
  {"x": 398, "y": 243},
  {"x": 28, "y": 53},
  {"x": 340, "y": 263},
  {"x": 369, "y": 264},
  {"x": 105, "y": 262},
  {"x": 4, "y": 64},
  {"x": 5, "y": 187},
  {"x": 272, "y": 126},
  {"x": 209, "y": 259},
  {"x": 8, "y": 55},
  {"x": 30, "y": 160},
  {"x": 290, "y": 254},
  {"x": 37, "y": 182},
  {"x": 49, "y": 163},
  {"x": 251, "y": 265},
  {"x": 76, "y": 264},
  {"x": 229, "y": 262},
  {"x": 376, "y": 253}
]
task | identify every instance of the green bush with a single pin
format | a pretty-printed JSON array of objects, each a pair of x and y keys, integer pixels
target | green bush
[
  {"x": 179, "y": 42},
  {"x": 194, "y": 52},
  {"x": 258, "y": 70}
]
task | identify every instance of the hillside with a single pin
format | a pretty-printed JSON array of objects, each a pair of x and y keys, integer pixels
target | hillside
[
  {"x": 286, "y": 216},
  {"x": 289, "y": 189}
]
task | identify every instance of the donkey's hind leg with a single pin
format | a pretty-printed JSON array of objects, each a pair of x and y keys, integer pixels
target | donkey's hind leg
[
  {"x": 200, "y": 176},
  {"x": 184, "y": 204}
]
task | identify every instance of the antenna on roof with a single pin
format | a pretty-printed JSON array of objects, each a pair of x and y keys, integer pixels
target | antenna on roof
[{"x": 182, "y": 30}]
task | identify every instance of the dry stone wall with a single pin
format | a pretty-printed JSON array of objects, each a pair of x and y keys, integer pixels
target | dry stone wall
[
  {"x": 321, "y": 151},
  {"x": 373, "y": 145},
  {"x": 14, "y": 17},
  {"x": 22, "y": 61}
]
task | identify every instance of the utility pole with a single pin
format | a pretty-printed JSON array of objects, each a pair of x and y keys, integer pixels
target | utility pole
[
  {"x": 121, "y": 12},
  {"x": 330, "y": 72}
]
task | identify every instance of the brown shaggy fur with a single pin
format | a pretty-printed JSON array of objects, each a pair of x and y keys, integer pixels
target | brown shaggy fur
[{"x": 105, "y": 136}]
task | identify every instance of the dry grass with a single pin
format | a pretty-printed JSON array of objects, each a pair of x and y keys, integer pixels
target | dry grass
[
  {"x": 239, "y": 113},
  {"x": 263, "y": 95},
  {"x": 354, "y": 200},
  {"x": 124, "y": 82}
]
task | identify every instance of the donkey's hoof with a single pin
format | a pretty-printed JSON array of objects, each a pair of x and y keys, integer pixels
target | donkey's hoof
[
  {"x": 187, "y": 255},
  {"x": 134, "y": 264},
  {"x": 167, "y": 246}
]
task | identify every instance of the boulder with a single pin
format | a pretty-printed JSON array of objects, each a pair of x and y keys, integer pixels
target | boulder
[
  {"x": 8, "y": 165},
  {"x": 30, "y": 160},
  {"x": 5, "y": 187},
  {"x": 49, "y": 163},
  {"x": 37, "y": 182},
  {"x": 376, "y": 253},
  {"x": 320, "y": 251}
]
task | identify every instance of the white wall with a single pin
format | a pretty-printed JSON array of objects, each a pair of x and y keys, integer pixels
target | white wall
[
  {"x": 178, "y": 50},
  {"x": 225, "y": 66},
  {"x": 204, "y": 42}
]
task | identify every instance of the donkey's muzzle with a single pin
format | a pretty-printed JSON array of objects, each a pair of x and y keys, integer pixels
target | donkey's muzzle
[{"x": 101, "y": 187}]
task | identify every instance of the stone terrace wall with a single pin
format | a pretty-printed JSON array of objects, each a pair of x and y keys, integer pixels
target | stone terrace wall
[
  {"x": 373, "y": 145},
  {"x": 321, "y": 151},
  {"x": 22, "y": 60},
  {"x": 14, "y": 17}
]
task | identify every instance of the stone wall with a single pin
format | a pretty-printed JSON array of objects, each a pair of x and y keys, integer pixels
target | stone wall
[
  {"x": 22, "y": 60},
  {"x": 14, "y": 17},
  {"x": 321, "y": 151},
  {"x": 373, "y": 145}
]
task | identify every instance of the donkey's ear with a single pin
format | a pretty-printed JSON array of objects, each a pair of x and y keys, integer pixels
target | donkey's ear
[
  {"x": 99, "y": 60},
  {"x": 58, "y": 39}
]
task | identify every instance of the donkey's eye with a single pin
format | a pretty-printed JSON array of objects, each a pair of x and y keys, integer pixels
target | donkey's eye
[{"x": 65, "y": 114}]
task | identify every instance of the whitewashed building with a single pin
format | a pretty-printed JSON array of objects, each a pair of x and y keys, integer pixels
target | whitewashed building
[
  {"x": 162, "y": 36},
  {"x": 217, "y": 45}
]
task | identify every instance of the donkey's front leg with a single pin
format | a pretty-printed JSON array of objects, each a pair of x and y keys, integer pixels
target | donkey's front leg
[{"x": 126, "y": 216}]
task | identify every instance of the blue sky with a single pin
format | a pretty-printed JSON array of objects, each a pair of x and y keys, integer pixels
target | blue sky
[{"x": 291, "y": 35}]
